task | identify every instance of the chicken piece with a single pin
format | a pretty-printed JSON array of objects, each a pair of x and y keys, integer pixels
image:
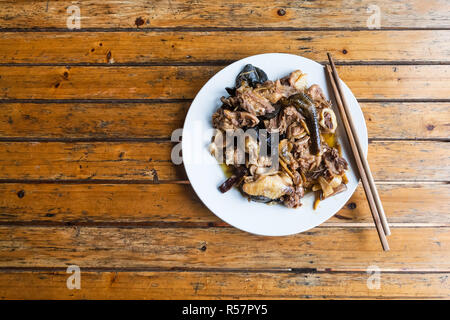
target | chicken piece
[
  {"x": 272, "y": 187},
  {"x": 298, "y": 80},
  {"x": 230, "y": 120},
  {"x": 253, "y": 102},
  {"x": 318, "y": 97},
  {"x": 286, "y": 117},
  {"x": 334, "y": 164},
  {"x": 292, "y": 200},
  {"x": 295, "y": 131},
  {"x": 274, "y": 91}
]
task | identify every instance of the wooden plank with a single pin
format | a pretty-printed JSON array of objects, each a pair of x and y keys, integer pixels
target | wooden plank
[
  {"x": 203, "y": 13},
  {"x": 92, "y": 161},
  {"x": 215, "y": 285},
  {"x": 133, "y": 120},
  {"x": 151, "y": 161},
  {"x": 93, "y": 120},
  {"x": 421, "y": 205},
  {"x": 176, "y": 47},
  {"x": 407, "y": 120},
  {"x": 183, "y": 82},
  {"x": 350, "y": 249}
]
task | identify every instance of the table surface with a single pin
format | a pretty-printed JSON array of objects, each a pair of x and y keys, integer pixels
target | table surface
[{"x": 85, "y": 172}]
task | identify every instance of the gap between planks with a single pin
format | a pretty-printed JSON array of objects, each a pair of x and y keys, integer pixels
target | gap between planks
[
  {"x": 113, "y": 181},
  {"x": 224, "y": 270},
  {"x": 217, "y": 29},
  {"x": 218, "y": 63},
  {"x": 167, "y": 139},
  {"x": 168, "y": 100},
  {"x": 201, "y": 225}
]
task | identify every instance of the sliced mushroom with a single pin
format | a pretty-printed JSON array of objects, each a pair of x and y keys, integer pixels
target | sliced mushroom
[
  {"x": 326, "y": 188},
  {"x": 335, "y": 182},
  {"x": 284, "y": 150},
  {"x": 328, "y": 120},
  {"x": 272, "y": 187},
  {"x": 263, "y": 167}
]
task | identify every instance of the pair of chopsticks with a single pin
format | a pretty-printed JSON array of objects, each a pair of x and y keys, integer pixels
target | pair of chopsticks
[{"x": 370, "y": 189}]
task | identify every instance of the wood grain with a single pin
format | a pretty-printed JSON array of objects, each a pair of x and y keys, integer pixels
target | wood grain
[
  {"x": 134, "y": 120},
  {"x": 94, "y": 120},
  {"x": 407, "y": 120},
  {"x": 214, "y": 13},
  {"x": 213, "y": 285},
  {"x": 143, "y": 204},
  {"x": 151, "y": 161},
  {"x": 123, "y": 161},
  {"x": 176, "y": 47},
  {"x": 183, "y": 82},
  {"x": 349, "y": 249}
]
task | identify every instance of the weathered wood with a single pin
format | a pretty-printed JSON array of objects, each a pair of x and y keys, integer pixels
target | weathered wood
[
  {"x": 203, "y": 13},
  {"x": 151, "y": 161},
  {"x": 177, "y": 47},
  {"x": 110, "y": 160},
  {"x": 407, "y": 120},
  {"x": 350, "y": 249},
  {"x": 183, "y": 82},
  {"x": 94, "y": 120},
  {"x": 405, "y": 204},
  {"x": 158, "y": 120},
  {"x": 225, "y": 285}
]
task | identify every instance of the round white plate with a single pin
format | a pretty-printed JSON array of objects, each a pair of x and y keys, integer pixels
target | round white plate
[{"x": 206, "y": 175}]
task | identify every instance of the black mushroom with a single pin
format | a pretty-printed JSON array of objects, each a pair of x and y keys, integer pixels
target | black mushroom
[{"x": 252, "y": 75}]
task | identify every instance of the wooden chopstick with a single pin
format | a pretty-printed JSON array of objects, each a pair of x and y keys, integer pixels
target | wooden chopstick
[
  {"x": 373, "y": 188},
  {"x": 363, "y": 166}
]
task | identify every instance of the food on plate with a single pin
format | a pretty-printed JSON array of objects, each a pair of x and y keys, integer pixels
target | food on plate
[{"x": 287, "y": 132}]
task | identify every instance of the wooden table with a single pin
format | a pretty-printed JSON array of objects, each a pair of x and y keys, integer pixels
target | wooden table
[{"x": 86, "y": 178}]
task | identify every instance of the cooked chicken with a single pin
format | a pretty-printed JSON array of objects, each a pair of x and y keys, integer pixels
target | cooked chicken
[
  {"x": 272, "y": 187},
  {"x": 229, "y": 120},
  {"x": 286, "y": 117},
  {"x": 297, "y": 80},
  {"x": 316, "y": 93},
  {"x": 295, "y": 131},
  {"x": 293, "y": 200},
  {"x": 334, "y": 164},
  {"x": 253, "y": 102}
]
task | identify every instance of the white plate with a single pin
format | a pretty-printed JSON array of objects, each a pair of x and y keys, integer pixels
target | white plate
[{"x": 206, "y": 175}]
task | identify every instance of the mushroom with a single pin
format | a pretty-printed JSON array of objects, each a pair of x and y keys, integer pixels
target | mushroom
[
  {"x": 326, "y": 188},
  {"x": 263, "y": 167},
  {"x": 284, "y": 150}
]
